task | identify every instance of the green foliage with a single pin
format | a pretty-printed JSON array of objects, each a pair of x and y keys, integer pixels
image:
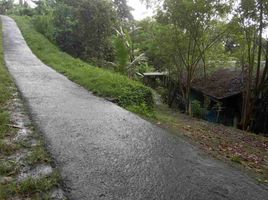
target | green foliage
[
  {"x": 197, "y": 110},
  {"x": 121, "y": 55},
  {"x": 190, "y": 29},
  {"x": 7, "y": 190},
  {"x": 44, "y": 25},
  {"x": 81, "y": 28},
  {"x": 5, "y": 79},
  {"x": 142, "y": 110},
  {"x": 65, "y": 30},
  {"x": 157, "y": 42},
  {"x": 94, "y": 22},
  {"x": 8, "y": 167},
  {"x": 145, "y": 67},
  {"x": 29, "y": 187},
  {"x": 7, "y": 148},
  {"x": 44, "y": 7},
  {"x": 38, "y": 155},
  {"x": 102, "y": 82},
  {"x": 128, "y": 59},
  {"x": 21, "y": 10},
  {"x": 4, "y": 121},
  {"x": 5, "y": 6}
]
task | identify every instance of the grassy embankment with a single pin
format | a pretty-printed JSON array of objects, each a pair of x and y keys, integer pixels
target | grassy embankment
[
  {"x": 6, "y": 89},
  {"x": 129, "y": 94},
  {"x": 247, "y": 150},
  {"x": 11, "y": 164}
]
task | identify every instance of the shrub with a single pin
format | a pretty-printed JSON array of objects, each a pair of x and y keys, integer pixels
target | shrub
[
  {"x": 196, "y": 108},
  {"x": 44, "y": 24}
]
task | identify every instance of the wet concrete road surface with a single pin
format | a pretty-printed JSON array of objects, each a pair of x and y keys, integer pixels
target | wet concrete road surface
[{"x": 106, "y": 152}]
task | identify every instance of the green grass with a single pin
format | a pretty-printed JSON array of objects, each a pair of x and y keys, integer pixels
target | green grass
[
  {"x": 6, "y": 88},
  {"x": 4, "y": 121},
  {"x": 7, "y": 149},
  {"x": 38, "y": 155},
  {"x": 30, "y": 187},
  {"x": 8, "y": 168},
  {"x": 129, "y": 94}
]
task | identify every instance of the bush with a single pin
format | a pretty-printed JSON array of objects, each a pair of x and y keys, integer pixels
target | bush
[
  {"x": 197, "y": 110},
  {"x": 65, "y": 24},
  {"x": 44, "y": 24},
  {"x": 142, "y": 110},
  {"x": 128, "y": 93}
]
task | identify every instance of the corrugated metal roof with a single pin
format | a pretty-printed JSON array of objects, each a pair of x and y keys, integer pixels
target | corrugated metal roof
[{"x": 155, "y": 74}]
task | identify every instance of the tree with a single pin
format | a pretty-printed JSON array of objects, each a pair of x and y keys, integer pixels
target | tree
[
  {"x": 95, "y": 24},
  {"x": 193, "y": 23},
  {"x": 44, "y": 6},
  {"x": 66, "y": 31},
  {"x": 5, "y": 5},
  {"x": 248, "y": 32},
  {"x": 82, "y": 28}
]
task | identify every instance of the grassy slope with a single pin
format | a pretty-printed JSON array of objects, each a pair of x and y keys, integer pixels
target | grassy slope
[
  {"x": 6, "y": 87},
  {"x": 129, "y": 94}
]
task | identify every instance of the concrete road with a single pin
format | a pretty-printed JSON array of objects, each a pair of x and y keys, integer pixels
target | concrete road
[{"x": 106, "y": 152}]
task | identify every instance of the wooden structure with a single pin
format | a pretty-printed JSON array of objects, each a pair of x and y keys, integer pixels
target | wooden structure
[
  {"x": 155, "y": 79},
  {"x": 222, "y": 94}
]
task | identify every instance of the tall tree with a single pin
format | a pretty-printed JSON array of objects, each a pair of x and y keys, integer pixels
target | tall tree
[
  {"x": 250, "y": 17},
  {"x": 84, "y": 28}
]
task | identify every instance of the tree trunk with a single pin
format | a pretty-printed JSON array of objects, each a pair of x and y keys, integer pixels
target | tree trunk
[
  {"x": 248, "y": 101},
  {"x": 265, "y": 71},
  {"x": 187, "y": 94},
  {"x": 260, "y": 45}
]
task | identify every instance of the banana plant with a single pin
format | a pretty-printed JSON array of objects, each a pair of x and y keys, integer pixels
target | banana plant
[{"x": 127, "y": 58}]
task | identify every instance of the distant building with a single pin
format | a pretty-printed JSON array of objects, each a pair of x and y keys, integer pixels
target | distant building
[
  {"x": 155, "y": 79},
  {"x": 221, "y": 93}
]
